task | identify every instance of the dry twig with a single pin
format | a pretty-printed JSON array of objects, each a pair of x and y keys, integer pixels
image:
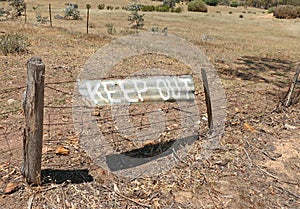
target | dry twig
[
  {"x": 266, "y": 172},
  {"x": 127, "y": 198},
  {"x": 250, "y": 161},
  {"x": 288, "y": 191},
  {"x": 262, "y": 151}
]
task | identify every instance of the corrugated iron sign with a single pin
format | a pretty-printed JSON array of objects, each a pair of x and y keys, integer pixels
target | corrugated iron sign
[{"x": 138, "y": 90}]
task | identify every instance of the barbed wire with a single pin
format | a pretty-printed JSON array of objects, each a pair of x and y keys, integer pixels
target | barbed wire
[{"x": 237, "y": 96}]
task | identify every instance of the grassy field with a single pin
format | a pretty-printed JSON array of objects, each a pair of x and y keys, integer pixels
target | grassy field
[{"x": 258, "y": 165}]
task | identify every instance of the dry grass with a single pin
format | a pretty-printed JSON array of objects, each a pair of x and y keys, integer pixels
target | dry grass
[{"x": 254, "y": 57}]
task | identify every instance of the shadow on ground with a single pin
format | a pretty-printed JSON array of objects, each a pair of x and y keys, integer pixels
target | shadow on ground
[
  {"x": 268, "y": 70},
  {"x": 61, "y": 176}
]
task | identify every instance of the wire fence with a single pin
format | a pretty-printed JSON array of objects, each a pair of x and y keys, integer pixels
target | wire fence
[{"x": 255, "y": 100}]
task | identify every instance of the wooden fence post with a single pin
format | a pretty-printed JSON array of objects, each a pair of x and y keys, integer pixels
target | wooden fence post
[
  {"x": 88, "y": 6},
  {"x": 207, "y": 99},
  {"x": 291, "y": 89},
  {"x": 33, "y": 105},
  {"x": 50, "y": 15}
]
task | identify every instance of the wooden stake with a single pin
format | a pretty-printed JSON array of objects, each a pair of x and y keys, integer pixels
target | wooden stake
[{"x": 33, "y": 105}]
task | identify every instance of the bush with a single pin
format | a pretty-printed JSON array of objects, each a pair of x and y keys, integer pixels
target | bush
[
  {"x": 287, "y": 12},
  {"x": 162, "y": 9},
  {"x": 234, "y": 4},
  {"x": 211, "y": 2},
  {"x": 177, "y": 10},
  {"x": 271, "y": 9},
  {"x": 72, "y": 12},
  {"x": 169, "y": 3},
  {"x": 148, "y": 8},
  {"x": 41, "y": 19},
  {"x": 197, "y": 6},
  {"x": 109, "y": 7},
  {"x": 101, "y": 6},
  {"x": 110, "y": 28},
  {"x": 19, "y": 6},
  {"x": 13, "y": 43}
]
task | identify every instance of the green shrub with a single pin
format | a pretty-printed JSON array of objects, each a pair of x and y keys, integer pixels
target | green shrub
[
  {"x": 271, "y": 9},
  {"x": 177, "y": 10},
  {"x": 41, "y": 19},
  {"x": 162, "y": 9},
  {"x": 287, "y": 12},
  {"x": 197, "y": 6},
  {"x": 13, "y": 43},
  {"x": 109, "y": 7},
  {"x": 72, "y": 12},
  {"x": 148, "y": 8},
  {"x": 101, "y": 6},
  {"x": 211, "y": 2},
  {"x": 110, "y": 28},
  {"x": 234, "y": 4}
]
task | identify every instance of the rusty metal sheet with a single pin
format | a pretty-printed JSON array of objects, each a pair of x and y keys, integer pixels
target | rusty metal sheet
[{"x": 138, "y": 90}]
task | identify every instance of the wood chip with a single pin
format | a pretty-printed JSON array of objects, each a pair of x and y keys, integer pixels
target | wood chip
[
  {"x": 61, "y": 150},
  {"x": 248, "y": 127}
]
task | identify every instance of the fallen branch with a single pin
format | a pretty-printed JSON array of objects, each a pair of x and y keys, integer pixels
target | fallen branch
[
  {"x": 266, "y": 172},
  {"x": 250, "y": 161},
  {"x": 288, "y": 191}
]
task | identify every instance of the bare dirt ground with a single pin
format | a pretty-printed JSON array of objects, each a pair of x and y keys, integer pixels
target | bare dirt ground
[{"x": 258, "y": 164}]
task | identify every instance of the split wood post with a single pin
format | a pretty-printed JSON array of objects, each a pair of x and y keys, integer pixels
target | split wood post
[
  {"x": 289, "y": 95},
  {"x": 33, "y": 105},
  {"x": 207, "y": 99}
]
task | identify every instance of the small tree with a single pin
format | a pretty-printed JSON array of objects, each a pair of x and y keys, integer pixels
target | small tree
[
  {"x": 169, "y": 3},
  {"x": 136, "y": 20}
]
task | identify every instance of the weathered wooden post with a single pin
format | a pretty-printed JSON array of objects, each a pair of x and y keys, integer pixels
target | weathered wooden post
[
  {"x": 33, "y": 105},
  {"x": 291, "y": 89},
  {"x": 207, "y": 98}
]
